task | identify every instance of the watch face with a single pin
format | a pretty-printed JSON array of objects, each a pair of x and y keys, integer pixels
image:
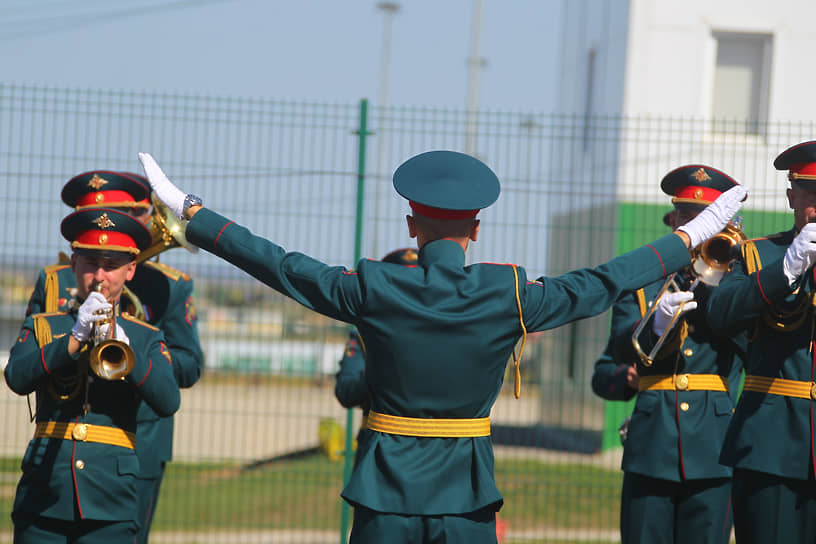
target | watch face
[{"x": 191, "y": 200}]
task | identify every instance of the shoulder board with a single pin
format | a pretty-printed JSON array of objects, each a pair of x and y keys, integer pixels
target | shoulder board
[
  {"x": 55, "y": 267},
  {"x": 127, "y": 317},
  {"x": 168, "y": 271}
]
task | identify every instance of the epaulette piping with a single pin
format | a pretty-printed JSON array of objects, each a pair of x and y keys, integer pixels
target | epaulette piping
[
  {"x": 128, "y": 317},
  {"x": 48, "y": 314},
  {"x": 54, "y": 267},
  {"x": 168, "y": 271}
]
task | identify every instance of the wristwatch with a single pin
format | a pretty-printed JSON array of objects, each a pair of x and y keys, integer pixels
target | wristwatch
[{"x": 190, "y": 201}]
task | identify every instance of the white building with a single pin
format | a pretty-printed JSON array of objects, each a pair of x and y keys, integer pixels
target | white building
[{"x": 646, "y": 86}]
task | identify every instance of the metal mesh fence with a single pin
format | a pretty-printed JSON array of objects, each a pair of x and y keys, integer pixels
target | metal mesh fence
[{"x": 257, "y": 439}]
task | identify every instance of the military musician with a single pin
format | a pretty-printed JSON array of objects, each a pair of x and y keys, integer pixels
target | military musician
[
  {"x": 674, "y": 488},
  {"x": 91, "y": 367}
]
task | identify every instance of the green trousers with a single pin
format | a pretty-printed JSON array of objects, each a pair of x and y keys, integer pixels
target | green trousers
[
  {"x": 43, "y": 530},
  {"x": 372, "y": 527},
  {"x": 659, "y": 511},
  {"x": 769, "y": 508}
]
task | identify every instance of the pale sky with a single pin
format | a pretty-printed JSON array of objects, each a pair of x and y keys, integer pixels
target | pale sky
[{"x": 323, "y": 50}]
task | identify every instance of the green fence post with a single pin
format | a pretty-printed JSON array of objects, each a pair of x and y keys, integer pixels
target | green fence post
[{"x": 358, "y": 246}]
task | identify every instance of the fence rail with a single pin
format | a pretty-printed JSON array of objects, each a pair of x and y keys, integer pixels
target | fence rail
[{"x": 248, "y": 458}]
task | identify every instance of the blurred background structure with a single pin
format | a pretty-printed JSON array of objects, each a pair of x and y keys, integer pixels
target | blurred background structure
[{"x": 580, "y": 106}]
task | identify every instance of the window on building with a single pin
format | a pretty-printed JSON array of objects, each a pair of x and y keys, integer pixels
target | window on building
[{"x": 741, "y": 82}]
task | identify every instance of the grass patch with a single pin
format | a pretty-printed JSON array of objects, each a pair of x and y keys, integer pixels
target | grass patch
[{"x": 305, "y": 494}]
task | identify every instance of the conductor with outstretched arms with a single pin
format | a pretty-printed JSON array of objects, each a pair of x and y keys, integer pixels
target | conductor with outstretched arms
[{"x": 438, "y": 337}]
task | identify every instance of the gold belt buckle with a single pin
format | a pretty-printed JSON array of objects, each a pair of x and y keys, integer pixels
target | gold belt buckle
[
  {"x": 80, "y": 432},
  {"x": 813, "y": 391},
  {"x": 681, "y": 382}
]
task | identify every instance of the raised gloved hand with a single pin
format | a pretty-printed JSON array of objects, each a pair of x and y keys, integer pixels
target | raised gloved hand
[
  {"x": 92, "y": 310},
  {"x": 715, "y": 217},
  {"x": 165, "y": 190},
  {"x": 801, "y": 254},
  {"x": 670, "y": 304}
]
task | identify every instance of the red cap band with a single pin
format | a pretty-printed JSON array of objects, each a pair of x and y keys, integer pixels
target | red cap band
[
  {"x": 439, "y": 213},
  {"x": 695, "y": 192},
  {"x": 103, "y": 239},
  {"x": 106, "y": 198},
  {"x": 804, "y": 168}
]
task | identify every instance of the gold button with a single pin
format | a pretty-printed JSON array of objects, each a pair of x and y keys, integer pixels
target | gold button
[
  {"x": 688, "y": 352},
  {"x": 80, "y": 431},
  {"x": 681, "y": 382},
  {"x": 684, "y": 406},
  {"x": 813, "y": 391},
  {"x": 80, "y": 464}
]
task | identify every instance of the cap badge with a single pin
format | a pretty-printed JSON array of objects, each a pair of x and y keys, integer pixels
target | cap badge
[
  {"x": 410, "y": 255},
  {"x": 103, "y": 222},
  {"x": 99, "y": 197},
  {"x": 700, "y": 175},
  {"x": 698, "y": 194},
  {"x": 103, "y": 239},
  {"x": 97, "y": 182}
]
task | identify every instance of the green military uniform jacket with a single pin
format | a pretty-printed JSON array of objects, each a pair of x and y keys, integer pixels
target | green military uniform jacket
[
  {"x": 672, "y": 435},
  {"x": 438, "y": 337},
  {"x": 95, "y": 480},
  {"x": 769, "y": 433},
  {"x": 350, "y": 386},
  {"x": 166, "y": 297}
]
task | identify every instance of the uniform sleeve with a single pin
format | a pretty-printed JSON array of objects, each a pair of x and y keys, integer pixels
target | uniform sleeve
[
  {"x": 180, "y": 327},
  {"x": 29, "y": 365},
  {"x": 350, "y": 387},
  {"x": 152, "y": 377},
  {"x": 609, "y": 375},
  {"x": 551, "y": 302},
  {"x": 741, "y": 297},
  {"x": 331, "y": 291}
]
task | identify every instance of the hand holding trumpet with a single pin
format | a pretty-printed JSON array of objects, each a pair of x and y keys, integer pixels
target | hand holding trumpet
[
  {"x": 95, "y": 308},
  {"x": 670, "y": 307}
]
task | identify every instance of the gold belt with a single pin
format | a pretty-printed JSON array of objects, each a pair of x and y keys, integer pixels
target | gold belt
[
  {"x": 85, "y": 432},
  {"x": 438, "y": 428},
  {"x": 683, "y": 382},
  {"x": 781, "y": 386}
]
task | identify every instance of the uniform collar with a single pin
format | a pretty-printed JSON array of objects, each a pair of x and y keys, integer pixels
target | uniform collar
[{"x": 442, "y": 251}]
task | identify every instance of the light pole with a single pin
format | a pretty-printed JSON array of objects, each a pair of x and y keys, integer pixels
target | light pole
[
  {"x": 475, "y": 64},
  {"x": 389, "y": 9}
]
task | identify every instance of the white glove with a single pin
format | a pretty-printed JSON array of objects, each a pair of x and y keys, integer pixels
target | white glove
[
  {"x": 801, "y": 254},
  {"x": 670, "y": 304},
  {"x": 92, "y": 310},
  {"x": 168, "y": 193},
  {"x": 715, "y": 217},
  {"x": 119, "y": 334}
]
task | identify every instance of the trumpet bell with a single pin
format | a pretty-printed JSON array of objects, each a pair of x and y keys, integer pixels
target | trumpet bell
[
  {"x": 714, "y": 257},
  {"x": 167, "y": 231},
  {"x": 112, "y": 360}
]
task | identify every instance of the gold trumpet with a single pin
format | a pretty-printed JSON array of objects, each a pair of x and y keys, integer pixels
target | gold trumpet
[
  {"x": 110, "y": 359},
  {"x": 709, "y": 263},
  {"x": 166, "y": 231}
]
